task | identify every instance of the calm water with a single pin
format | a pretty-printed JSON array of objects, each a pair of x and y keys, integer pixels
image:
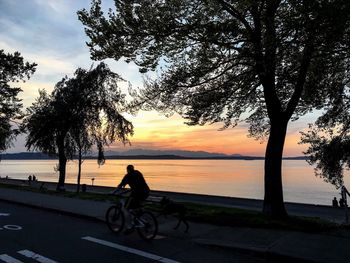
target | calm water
[{"x": 237, "y": 178}]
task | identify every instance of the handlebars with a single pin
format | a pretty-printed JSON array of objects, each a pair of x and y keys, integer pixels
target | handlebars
[{"x": 120, "y": 192}]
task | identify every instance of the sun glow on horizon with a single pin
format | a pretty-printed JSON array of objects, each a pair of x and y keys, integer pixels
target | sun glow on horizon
[{"x": 157, "y": 132}]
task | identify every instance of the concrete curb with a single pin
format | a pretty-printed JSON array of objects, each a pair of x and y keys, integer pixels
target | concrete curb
[{"x": 261, "y": 252}]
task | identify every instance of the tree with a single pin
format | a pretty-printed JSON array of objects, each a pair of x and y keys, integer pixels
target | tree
[
  {"x": 95, "y": 100},
  {"x": 81, "y": 111},
  {"x": 12, "y": 69},
  {"x": 272, "y": 60},
  {"x": 47, "y": 125},
  {"x": 329, "y": 141}
]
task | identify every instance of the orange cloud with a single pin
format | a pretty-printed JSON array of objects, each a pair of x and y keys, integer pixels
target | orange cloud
[{"x": 153, "y": 131}]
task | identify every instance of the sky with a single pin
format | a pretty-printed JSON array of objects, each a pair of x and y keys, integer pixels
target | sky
[{"x": 49, "y": 33}]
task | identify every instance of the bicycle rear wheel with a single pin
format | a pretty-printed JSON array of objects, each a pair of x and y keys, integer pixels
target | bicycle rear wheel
[
  {"x": 147, "y": 225},
  {"x": 115, "y": 218}
]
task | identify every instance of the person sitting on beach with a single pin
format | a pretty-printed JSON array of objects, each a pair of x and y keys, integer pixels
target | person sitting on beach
[
  {"x": 341, "y": 202},
  {"x": 139, "y": 192},
  {"x": 335, "y": 202}
]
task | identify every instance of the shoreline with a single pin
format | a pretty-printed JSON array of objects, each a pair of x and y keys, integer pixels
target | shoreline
[
  {"x": 220, "y": 199},
  {"x": 27, "y": 157},
  {"x": 70, "y": 187},
  {"x": 329, "y": 213}
]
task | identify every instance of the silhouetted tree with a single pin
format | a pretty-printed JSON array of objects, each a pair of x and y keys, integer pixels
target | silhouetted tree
[
  {"x": 95, "y": 103},
  {"x": 12, "y": 70},
  {"x": 218, "y": 59},
  {"x": 82, "y": 111},
  {"x": 329, "y": 141},
  {"x": 47, "y": 124}
]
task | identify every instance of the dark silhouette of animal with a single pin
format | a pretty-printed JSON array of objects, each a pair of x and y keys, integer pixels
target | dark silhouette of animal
[{"x": 169, "y": 207}]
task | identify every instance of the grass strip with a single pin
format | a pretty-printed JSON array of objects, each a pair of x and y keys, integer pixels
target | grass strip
[{"x": 216, "y": 215}]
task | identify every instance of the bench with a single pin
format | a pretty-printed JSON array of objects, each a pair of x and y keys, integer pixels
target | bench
[{"x": 153, "y": 199}]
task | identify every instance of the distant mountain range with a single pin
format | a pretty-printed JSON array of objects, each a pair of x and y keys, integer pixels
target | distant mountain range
[
  {"x": 190, "y": 154},
  {"x": 26, "y": 156},
  {"x": 144, "y": 154}
]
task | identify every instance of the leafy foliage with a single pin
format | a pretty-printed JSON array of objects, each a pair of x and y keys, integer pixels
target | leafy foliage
[
  {"x": 12, "y": 70},
  {"x": 81, "y": 111},
  {"x": 44, "y": 121},
  {"x": 223, "y": 58},
  {"x": 94, "y": 103},
  {"x": 329, "y": 140},
  {"x": 85, "y": 106}
]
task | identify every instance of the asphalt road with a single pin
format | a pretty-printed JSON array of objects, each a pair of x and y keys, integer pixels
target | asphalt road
[{"x": 34, "y": 235}]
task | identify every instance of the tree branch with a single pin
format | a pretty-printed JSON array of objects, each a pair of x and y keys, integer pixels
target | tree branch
[
  {"x": 299, "y": 86},
  {"x": 235, "y": 13},
  {"x": 266, "y": 75}
]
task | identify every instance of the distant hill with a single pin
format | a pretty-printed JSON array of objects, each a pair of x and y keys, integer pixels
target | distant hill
[
  {"x": 145, "y": 154},
  {"x": 180, "y": 153},
  {"x": 26, "y": 156}
]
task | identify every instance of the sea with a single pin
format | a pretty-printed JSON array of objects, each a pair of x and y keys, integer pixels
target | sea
[{"x": 234, "y": 178}]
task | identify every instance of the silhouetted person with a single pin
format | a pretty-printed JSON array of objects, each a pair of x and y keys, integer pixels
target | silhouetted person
[
  {"x": 34, "y": 178},
  {"x": 335, "y": 202},
  {"x": 29, "y": 179},
  {"x": 341, "y": 202},
  {"x": 138, "y": 186},
  {"x": 139, "y": 192}
]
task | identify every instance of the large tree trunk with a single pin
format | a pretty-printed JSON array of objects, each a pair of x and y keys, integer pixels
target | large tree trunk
[
  {"x": 62, "y": 161},
  {"x": 273, "y": 200},
  {"x": 79, "y": 170}
]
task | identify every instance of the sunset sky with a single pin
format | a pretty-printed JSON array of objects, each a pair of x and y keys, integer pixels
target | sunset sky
[{"x": 49, "y": 33}]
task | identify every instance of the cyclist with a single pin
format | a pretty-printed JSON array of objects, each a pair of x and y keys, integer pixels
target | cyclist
[{"x": 139, "y": 193}]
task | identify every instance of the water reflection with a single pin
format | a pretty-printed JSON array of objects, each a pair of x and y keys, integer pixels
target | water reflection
[{"x": 237, "y": 178}]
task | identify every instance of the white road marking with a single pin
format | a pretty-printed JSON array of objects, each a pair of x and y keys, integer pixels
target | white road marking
[
  {"x": 12, "y": 227},
  {"x": 4, "y": 214},
  {"x": 8, "y": 259},
  {"x": 37, "y": 257},
  {"x": 130, "y": 250}
]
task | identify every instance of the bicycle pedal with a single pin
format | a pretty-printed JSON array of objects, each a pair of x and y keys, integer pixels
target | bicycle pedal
[{"x": 139, "y": 225}]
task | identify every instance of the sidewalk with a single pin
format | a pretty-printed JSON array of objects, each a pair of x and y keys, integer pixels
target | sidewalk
[
  {"x": 278, "y": 245},
  {"x": 336, "y": 215}
]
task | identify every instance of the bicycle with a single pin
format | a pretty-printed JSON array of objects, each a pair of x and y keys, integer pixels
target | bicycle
[{"x": 143, "y": 221}]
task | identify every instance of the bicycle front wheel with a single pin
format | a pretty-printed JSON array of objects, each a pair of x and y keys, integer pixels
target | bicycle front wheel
[
  {"x": 147, "y": 225},
  {"x": 115, "y": 219}
]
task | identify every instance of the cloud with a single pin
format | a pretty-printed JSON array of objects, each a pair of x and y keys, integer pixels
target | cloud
[{"x": 60, "y": 7}]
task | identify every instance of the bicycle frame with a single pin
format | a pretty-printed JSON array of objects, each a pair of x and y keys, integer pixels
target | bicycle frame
[{"x": 143, "y": 221}]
